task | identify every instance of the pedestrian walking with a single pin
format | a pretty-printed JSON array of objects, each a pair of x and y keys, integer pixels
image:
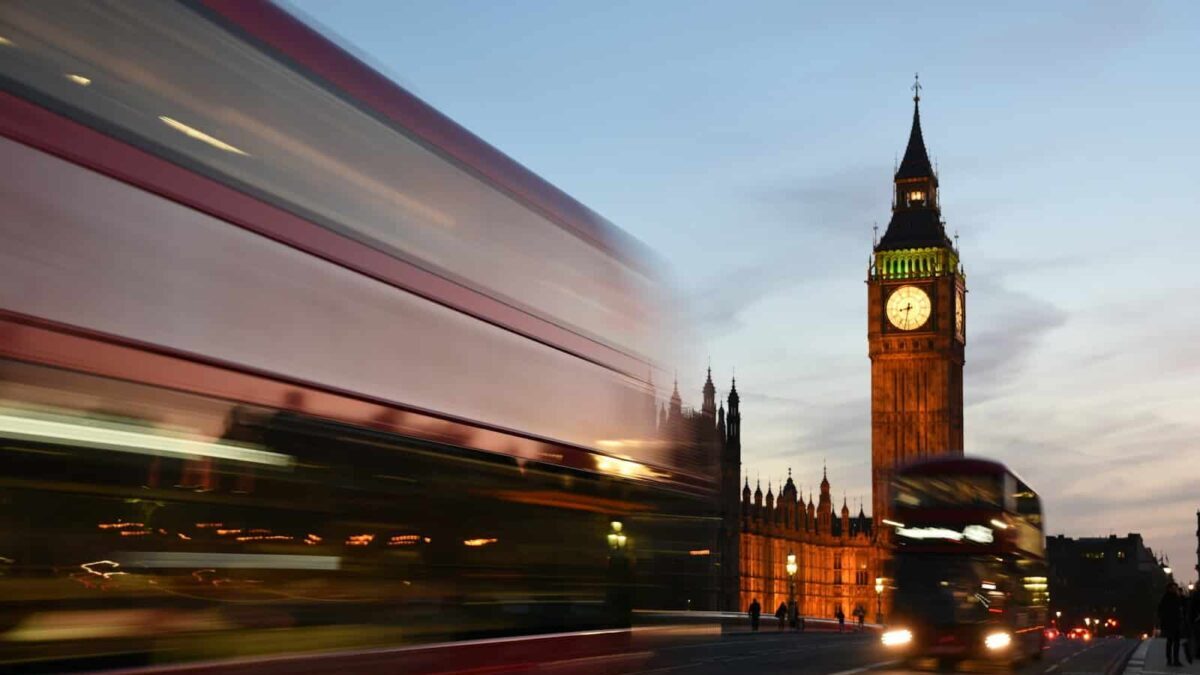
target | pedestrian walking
[
  {"x": 781, "y": 614},
  {"x": 1170, "y": 621},
  {"x": 755, "y": 612},
  {"x": 841, "y": 617}
]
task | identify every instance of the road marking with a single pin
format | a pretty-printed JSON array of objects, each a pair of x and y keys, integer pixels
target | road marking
[
  {"x": 595, "y": 659},
  {"x": 1051, "y": 669},
  {"x": 873, "y": 666}
]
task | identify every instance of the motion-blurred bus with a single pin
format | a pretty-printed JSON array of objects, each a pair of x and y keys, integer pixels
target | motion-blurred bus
[
  {"x": 283, "y": 347},
  {"x": 970, "y": 565}
]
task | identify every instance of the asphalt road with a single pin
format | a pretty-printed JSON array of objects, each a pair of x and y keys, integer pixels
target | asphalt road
[
  {"x": 696, "y": 649},
  {"x": 852, "y": 654}
]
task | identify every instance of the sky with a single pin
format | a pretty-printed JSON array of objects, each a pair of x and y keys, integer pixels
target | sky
[{"x": 752, "y": 145}]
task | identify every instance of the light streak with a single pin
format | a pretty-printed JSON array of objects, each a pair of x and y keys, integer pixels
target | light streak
[
  {"x": 199, "y": 561},
  {"x": 193, "y": 132},
  {"x": 128, "y": 438}
]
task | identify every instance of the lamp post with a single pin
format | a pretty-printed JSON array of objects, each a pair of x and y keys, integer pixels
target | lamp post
[
  {"x": 616, "y": 538},
  {"x": 791, "y": 568},
  {"x": 619, "y": 591},
  {"x": 879, "y": 600}
]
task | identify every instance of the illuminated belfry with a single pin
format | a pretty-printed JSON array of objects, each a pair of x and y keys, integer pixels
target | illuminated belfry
[{"x": 916, "y": 325}]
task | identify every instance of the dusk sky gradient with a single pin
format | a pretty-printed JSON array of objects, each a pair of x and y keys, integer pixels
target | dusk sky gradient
[{"x": 752, "y": 144}]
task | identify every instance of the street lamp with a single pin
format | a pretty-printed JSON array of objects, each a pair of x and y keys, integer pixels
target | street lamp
[
  {"x": 879, "y": 600},
  {"x": 791, "y": 568},
  {"x": 619, "y": 594},
  {"x": 616, "y": 538}
]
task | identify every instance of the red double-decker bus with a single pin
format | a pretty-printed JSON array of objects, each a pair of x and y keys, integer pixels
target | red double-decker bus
[
  {"x": 969, "y": 565},
  {"x": 281, "y": 346}
]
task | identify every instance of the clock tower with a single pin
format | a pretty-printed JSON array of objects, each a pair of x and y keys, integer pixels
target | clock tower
[{"x": 916, "y": 327}]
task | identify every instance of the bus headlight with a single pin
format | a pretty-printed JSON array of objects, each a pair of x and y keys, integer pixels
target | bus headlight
[
  {"x": 896, "y": 638},
  {"x": 998, "y": 640}
]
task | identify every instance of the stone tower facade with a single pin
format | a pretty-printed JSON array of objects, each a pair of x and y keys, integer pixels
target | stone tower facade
[{"x": 916, "y": 327}]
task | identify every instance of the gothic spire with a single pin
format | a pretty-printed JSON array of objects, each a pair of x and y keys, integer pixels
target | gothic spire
[
  {"x": 676, "y": 402},
  {"x": 916, "y": 218},
  {"x": 709, "y": 406},
  {"x": 916, "y": 159}
]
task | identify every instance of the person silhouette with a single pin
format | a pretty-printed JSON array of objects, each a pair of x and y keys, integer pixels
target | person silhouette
[
  {"x": 755, "y": 612},
  {"x": 1170, "y": 621}
]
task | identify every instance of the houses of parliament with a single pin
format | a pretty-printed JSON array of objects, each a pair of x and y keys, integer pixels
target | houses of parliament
[{"x": 916, "y": 335}]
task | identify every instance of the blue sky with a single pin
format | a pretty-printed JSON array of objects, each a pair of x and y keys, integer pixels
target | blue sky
[{"x": 751, "y": 144}]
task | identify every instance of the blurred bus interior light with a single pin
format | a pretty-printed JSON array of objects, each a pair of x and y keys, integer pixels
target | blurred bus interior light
[
  {"x": 195, "y": 133},
  {"x": 128, "y": 438}
]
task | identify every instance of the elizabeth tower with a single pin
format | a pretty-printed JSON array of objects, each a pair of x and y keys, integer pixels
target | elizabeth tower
[{"x": 916, "y": 313}]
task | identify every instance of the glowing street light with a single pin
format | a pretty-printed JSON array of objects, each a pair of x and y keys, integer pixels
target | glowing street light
[
  {"x": 616, "y": 538},
  {"x": 879, "y": 600},
  {"x": 791, "y": 568}
]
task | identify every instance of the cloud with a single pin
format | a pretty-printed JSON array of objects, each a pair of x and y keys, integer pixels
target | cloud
[
  {"x": 842, "y": 203},
  {"x": 717, "y": 306},
  {"x": 1017, "y": 325},
  {"x": 812, "y": 222}
]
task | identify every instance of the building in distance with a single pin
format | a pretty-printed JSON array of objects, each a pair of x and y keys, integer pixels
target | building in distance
[{"x": 1102, "y": 578}]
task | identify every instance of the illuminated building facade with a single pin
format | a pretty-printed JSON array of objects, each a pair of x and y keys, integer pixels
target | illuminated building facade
[
  {"x": 916, "y": 314},
  {"x": 837, "y": 559},
  {"x": 916, "y": 330}
]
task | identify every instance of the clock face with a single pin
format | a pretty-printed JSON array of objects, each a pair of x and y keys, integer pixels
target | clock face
[
  {"x": 908, "y": 308},
  {"x": 959, "y": 313}
]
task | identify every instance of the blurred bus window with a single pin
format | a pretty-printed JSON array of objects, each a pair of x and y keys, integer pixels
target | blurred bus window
[{"x": 185, "y": 89}]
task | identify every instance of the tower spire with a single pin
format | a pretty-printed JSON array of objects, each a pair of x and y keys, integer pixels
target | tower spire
[
  {"x": 916, "y": 162},
  {"x": 916, "y": 218},
  {"x": 709, "y": 407}
]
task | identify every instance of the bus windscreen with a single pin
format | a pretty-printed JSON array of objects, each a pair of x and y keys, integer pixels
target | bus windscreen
[{"x": 944, "y": 491}]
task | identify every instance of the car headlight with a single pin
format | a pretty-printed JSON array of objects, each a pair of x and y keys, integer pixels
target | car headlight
[
  {"x": 997, "y": 640},
  {"x": 895, "y": 638}
]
